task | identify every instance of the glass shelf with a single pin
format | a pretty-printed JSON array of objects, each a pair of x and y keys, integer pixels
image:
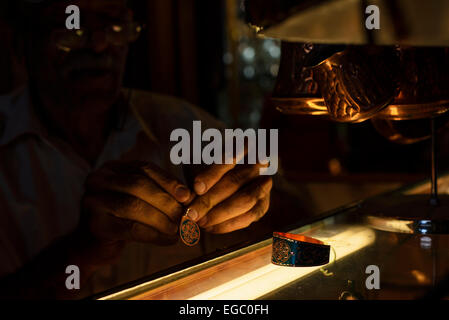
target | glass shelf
[{"x": 410, "y": 265}]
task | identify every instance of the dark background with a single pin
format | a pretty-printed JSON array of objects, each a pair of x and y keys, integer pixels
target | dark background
[
  {"x": 202, "y": 51},
  {"x": 184, "y": 51}
]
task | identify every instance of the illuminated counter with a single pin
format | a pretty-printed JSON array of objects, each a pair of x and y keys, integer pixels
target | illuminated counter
[{"x": 410, "y": 265}]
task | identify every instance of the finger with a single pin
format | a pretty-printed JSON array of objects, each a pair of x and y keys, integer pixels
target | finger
[
  {"x": 228, "y": 185},
  {"x": 168, "y": 183},
  {"x": 108, "y": 227},
  {"x": 138, "y": 186},
  {"x": 127, "y": 207},
  {"x": 239, "y": 203},
  {"x": 243, "y": 221},
  {"x": 210, "y": 176},
  {"x": 174, "y": 187},
  {"x": 190, "y": 200}
]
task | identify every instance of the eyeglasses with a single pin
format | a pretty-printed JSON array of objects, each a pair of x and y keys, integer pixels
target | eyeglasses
[{"x": 115, "y": 34}]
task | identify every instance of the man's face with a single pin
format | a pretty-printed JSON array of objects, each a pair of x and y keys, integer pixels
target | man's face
[{"x": 86, "y": 75}]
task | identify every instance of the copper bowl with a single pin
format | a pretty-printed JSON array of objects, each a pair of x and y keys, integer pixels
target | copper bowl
[{"x": 356, "y": 83}]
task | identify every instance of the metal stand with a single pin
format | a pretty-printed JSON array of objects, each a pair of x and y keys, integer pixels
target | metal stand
[
  {"x": 434, "y": 177},
  {"x": 413, "y": 214}
]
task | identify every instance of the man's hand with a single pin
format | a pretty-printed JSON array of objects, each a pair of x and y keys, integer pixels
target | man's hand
[
  {"x": 230, "y": 197},
  {"x": 134, "y": 202},
  {"x": 123, "y": 202}
]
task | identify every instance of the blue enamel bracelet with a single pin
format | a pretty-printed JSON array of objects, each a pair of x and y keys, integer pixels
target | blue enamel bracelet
[{"x": 294, "y": 250}]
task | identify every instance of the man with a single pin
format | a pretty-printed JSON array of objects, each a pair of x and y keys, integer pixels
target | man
[{"x": 84, "y": 164}]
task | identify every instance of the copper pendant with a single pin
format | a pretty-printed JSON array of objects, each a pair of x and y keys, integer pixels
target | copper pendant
[{"x": 189, "y": 231}]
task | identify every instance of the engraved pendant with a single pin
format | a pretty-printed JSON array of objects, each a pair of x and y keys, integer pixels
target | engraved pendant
[{"x": 189, "y": 231}]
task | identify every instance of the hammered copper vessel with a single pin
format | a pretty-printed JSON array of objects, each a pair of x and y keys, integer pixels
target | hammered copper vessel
[
  {"x": 423, "y": 93},
  {"x": 352, "y": 84},
  {"x": 347, "y": 84},
  {"x": 423, "y": 85},
  {"x": 358, "y": 82},
  {"x": 296, "y": 91}
]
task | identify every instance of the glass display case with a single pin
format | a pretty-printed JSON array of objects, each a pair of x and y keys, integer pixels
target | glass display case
[{"x": 411, "y": 263}]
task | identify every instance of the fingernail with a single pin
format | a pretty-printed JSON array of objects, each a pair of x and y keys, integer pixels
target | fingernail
[
  {"x": 182, "y": 193},
  {"x": 202, "y": 222},
  {"x": 192, "y": 214},
  {"x": 199, "y": 187}
]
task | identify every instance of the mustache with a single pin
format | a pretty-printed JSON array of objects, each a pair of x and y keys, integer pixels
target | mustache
[{"x": 89, "y": 61}]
